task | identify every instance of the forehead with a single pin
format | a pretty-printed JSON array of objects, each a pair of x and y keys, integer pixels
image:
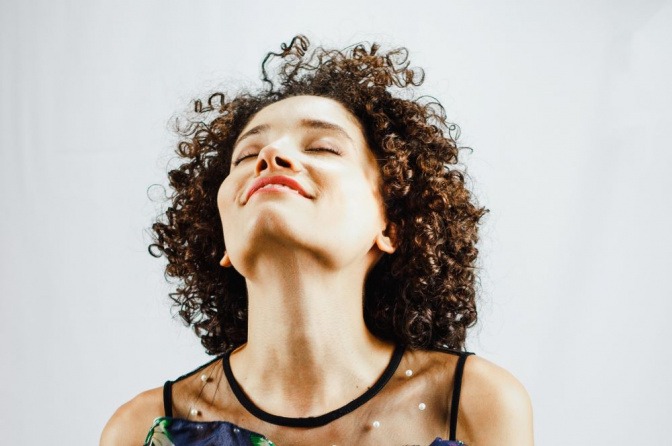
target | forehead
[{"x": 290, "y": 111}]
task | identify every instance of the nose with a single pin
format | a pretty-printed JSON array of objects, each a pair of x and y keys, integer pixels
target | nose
[{"x": 273, "y": 158}]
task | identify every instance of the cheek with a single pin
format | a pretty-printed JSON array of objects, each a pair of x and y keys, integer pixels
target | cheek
[
  {"x": 360, "y": 202},
  {"x": 221, "y": 198},
  {"x": 226, "y": 199}
]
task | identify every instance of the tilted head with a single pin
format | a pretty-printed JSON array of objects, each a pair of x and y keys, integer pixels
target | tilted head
[{"x": 420, "y": 290}]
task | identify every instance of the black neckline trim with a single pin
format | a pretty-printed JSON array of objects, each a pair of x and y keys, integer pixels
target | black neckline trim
[{"x": 319, "y": 420}]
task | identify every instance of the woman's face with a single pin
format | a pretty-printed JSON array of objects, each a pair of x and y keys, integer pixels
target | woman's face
[{"x": 303, "y": 178}]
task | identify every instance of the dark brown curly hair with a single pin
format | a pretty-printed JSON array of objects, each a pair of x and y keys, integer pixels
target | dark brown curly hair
[{"x": 423, "y": 295}]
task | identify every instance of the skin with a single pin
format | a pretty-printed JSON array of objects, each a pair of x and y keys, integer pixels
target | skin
[{"x": 305, "y": 260}]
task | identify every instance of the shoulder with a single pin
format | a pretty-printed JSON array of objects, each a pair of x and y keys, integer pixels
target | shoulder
[
  {"x": 494, "y": 406},
  {"x": 131, "y": 422}
]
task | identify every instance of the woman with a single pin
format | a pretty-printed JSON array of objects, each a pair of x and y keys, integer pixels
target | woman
[{"x": 325, "y": 243}]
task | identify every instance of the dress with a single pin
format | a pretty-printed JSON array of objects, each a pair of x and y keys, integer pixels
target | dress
[{"x": 174, "y": 431}]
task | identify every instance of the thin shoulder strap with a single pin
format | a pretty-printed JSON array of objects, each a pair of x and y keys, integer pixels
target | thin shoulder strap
[
  {"x": 457, "y": 387},
  {"x": 168, "y": 388},
  {"x": 168, "y": 399}
]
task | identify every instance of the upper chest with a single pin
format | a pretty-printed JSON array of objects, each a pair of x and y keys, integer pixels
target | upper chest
[{"x": 411, "y": 409}]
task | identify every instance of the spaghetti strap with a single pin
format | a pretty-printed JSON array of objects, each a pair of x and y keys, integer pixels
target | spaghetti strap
[
  {"x": 168, "y": 399},
  {"x": 168, "y": 387},
  {"x": 457, "y": 387}
]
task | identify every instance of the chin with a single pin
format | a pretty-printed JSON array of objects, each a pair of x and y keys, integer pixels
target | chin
[{"x": 276, "y": 228}]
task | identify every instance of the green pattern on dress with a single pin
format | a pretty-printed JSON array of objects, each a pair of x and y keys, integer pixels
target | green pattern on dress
[
  {"x": 159, "y": 435},
  {"x": 258, "y": 440}
]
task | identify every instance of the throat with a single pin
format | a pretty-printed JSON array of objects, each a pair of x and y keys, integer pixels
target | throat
[{"x": 308, "y": 349}]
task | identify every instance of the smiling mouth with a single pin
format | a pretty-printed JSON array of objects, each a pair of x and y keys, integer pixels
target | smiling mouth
[
  {"x": 278, "y": 183},
  {"x": 276, "y": 187}
]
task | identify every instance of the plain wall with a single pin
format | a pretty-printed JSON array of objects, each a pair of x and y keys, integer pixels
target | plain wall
[{"x": 566, "y": 105}]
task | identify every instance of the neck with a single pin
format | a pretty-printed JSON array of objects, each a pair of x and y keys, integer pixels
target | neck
[{"x": 307, "y": 344}]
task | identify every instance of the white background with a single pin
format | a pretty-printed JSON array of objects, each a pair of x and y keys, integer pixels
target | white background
[{"x": 566, "y": 105}]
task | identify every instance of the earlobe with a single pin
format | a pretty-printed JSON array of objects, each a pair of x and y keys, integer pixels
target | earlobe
[
  {"x": 386, "y": 240},
  {"x": 226, "y": 261}
]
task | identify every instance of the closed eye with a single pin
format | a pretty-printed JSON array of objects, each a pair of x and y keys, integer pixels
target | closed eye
[
  {"x": 324, "y": 149},
  {"x": 313, "y": 149},
  {"x": 244, "y": 157}
]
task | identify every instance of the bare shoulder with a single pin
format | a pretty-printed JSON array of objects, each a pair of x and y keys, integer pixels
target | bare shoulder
[
  {"x": 494, "y": 406},
  {"x": 131, "y": 422}
]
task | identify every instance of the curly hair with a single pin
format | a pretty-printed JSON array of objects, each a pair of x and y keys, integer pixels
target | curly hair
[{"x": 424, "y": 294}]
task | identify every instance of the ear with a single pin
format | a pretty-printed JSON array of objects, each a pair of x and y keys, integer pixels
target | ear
[
  {"x": 386, "y": 240},
  {"x": 226, "y": 261}
]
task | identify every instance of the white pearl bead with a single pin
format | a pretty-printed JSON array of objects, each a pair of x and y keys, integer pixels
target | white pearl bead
[
  {"x": 204, "y": 378},
  {"x": 409, "y": 373},
  {"x": 236, "y": 430},
  {"x": 376, "y": 423},
  {"x": 194, "y": 412},
  {"x": 422, "y": 406}
]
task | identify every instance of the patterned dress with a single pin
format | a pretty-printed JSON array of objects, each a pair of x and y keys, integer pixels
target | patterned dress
[{"x": 181, "y": 432}]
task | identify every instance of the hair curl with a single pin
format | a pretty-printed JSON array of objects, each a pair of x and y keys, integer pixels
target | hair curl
[{"x": 422, "y": 295}]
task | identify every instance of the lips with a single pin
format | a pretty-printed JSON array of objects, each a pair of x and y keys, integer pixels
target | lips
[{"x": 278, "y": 179}]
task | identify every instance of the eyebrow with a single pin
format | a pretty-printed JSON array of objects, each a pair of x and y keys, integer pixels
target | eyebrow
[{"x": 306, "y": 123}]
